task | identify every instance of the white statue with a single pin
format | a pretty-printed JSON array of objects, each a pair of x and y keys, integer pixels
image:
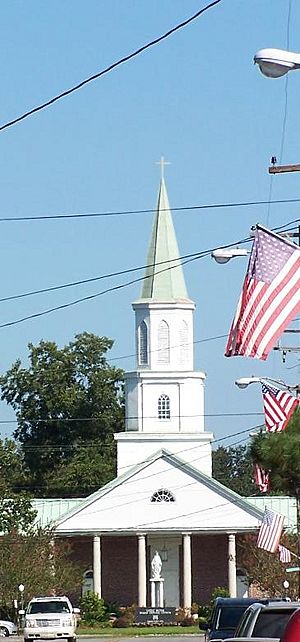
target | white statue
[{"x": 156, "y": 565}]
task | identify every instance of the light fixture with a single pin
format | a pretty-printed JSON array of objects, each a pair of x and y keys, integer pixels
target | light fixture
[
  {"x": 244, "y": 382},
  {"x": 164, "y": 554},
  {"x": 274, "y": 63},
  {"x": 223, "y": 255}
]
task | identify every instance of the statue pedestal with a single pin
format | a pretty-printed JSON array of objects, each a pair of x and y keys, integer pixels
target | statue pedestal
[{"x": 157, "y": 591}]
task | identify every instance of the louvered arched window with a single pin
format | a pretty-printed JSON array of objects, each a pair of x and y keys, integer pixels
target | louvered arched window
[
  {"x": 164, "y": 411},
  {"x": 183, "y": 343},
  {"x": 143, "y": 344},
  {"x": 163, "y": 342},
  {"x": 162, "y": 495}
]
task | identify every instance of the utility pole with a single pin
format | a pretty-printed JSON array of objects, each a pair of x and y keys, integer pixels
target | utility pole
[{"x": 283, "y": 169}]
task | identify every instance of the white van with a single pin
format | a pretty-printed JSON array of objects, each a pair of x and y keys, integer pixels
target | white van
[{"x": 50, "y": 618}]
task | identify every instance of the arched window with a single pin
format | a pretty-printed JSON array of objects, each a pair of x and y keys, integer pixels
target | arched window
[
  {"x": 183, "y": 342},
  {"x": 164, "y": 407},
  {"x": 163, "y": 341},
  {"x": 143, "y": 344},
  {"x": 162, "y": 495}
]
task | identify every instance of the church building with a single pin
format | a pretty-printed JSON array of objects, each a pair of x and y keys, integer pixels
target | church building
[{"x": 164, "y": 499}]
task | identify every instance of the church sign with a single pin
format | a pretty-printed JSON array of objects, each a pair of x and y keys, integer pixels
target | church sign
[{"x": 155, "y": 615}]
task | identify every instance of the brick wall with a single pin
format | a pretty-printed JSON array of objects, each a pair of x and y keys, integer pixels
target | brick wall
[
  {"x": 209, "y": 564},
  {"x": 120, "y": 570}
]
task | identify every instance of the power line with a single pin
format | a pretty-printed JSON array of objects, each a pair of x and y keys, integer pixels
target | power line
[
  {"x": 87, "y": 419},
  {"x": 123, "y": 285},
  {"x": 110, "y": 67},
  {"x": 145, "y": 461},
  {"x": 47, "y": 217}
]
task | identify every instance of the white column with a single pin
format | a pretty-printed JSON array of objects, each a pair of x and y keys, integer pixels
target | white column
[
  {"x": 231, "y": 565},
  {"x": 97, "y": 564},
  {"x": 187, "y": 571},
  {"x": 142, "y": 588}
]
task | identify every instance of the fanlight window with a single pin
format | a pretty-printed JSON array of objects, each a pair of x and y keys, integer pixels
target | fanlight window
[
  {"x": 183, "y": 341},
  {"x": 143, "y": 344},
  {"x": 162, "y": 495},
  {"x": 163, "y": 341},
  {"x": 164, "y": 411}
]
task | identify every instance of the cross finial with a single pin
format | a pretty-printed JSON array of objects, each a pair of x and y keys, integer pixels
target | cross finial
[{"x": 162, "y": 162}]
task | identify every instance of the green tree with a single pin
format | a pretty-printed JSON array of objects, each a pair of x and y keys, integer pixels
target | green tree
[
  {"x": 16, "y": 513},
  {"x": 233, "y": 467},
  {"x": 91, "y": 466},
  {"x": 279, "y": 454},
  {"x": 15, "y": 507},
  {"x": 33, "y": 560},
  {"x": 67, "y": 398},
  {"x": 264, "y": 569},
  {"x": 12, "y": 471}
]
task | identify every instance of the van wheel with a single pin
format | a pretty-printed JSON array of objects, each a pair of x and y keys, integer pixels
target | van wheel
[{"x": 69, "y": 639}]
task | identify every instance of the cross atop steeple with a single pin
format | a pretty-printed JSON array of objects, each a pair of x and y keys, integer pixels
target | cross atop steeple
[{"x": 162, "y": 162}]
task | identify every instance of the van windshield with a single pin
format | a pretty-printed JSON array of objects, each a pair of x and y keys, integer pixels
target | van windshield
[
  {"x": 48, "y": 607},
  {"x": 228, "y": 617}
]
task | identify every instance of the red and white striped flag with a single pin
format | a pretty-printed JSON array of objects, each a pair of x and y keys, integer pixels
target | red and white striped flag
[
  {"x": 284, "y": 554},
  {"x": 270, "y": 531},
  {"x": 261, "y": 479},
  {"x": 270, "y": 296},
  {"x": 279, "y": 405}
]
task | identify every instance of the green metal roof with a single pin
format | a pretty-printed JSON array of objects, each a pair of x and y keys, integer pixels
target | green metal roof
[
  {"x": 160, "y": 282},
  {"x": 50, "y": 510},
  {"x": 282, "y": 504}
]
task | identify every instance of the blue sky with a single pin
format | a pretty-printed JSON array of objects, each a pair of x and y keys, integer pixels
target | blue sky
[{"x": 198, "y": 100}]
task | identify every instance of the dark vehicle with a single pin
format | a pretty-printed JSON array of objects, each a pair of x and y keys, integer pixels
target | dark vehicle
[
  {"x": 226, "y": 614},
  {"x": 265, "y": 620}
]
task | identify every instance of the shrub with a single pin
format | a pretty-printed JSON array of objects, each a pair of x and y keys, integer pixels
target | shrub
[
  {"x": 93, "y": 609},
  {"x": 121, "y": 622},
  {"x": 187, "y": 621}
]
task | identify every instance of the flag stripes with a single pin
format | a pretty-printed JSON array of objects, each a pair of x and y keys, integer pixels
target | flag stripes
[
  {"x": 261, "y": 479},
  {"x": 284, "y": 554},
  {"x": 279, "y": 405},
  {"x": 270, "y": 296},
  {"x": 270, "y": 531}
]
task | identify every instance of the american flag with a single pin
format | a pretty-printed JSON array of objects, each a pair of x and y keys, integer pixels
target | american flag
[
  {"x": 284, "y": 554},
  {"x": 270, "y": 531},
  {"x": 261, "y": 479},
  {"x": 279, "y": 405},
  {"x": 270, "y": 296}
]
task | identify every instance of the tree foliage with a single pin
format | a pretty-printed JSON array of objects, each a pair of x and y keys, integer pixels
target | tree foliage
[
  {"x": 67, "y": 402},
  {"x": 279, "y": 454},
  {"x": 233, "y": 467},
  {"x": 264, "y": 569},
  {"x": 34, "y": 561}
]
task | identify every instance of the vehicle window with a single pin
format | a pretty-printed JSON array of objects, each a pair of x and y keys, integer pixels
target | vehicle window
[
  {"x": 271, "y": 624},
  {"x": 48, "y": 607},
  {"x": 229, "y": 617},
  {"x": 242, "y": 627}
]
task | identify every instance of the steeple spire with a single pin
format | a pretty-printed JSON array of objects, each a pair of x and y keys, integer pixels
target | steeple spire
[{"x": 163, "y": 281}]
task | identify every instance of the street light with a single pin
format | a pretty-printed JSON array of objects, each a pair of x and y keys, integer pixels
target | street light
[
  {"x": 274, "y": 63},
  {"x": 223, "y": 255},
  {"x": 244, "y": 382},
  {"x": 21, "y": 588},
  {"x": 286, "y": 585}
]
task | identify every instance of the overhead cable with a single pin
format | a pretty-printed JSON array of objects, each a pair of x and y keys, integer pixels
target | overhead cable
[{"x": 109, "y": 68}]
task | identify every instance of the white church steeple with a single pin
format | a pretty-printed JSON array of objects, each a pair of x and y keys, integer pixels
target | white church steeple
[{"x": 164, "y": 396}]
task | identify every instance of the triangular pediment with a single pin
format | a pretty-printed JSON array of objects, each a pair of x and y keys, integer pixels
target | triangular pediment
[{"x": 201, "y": 504}]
